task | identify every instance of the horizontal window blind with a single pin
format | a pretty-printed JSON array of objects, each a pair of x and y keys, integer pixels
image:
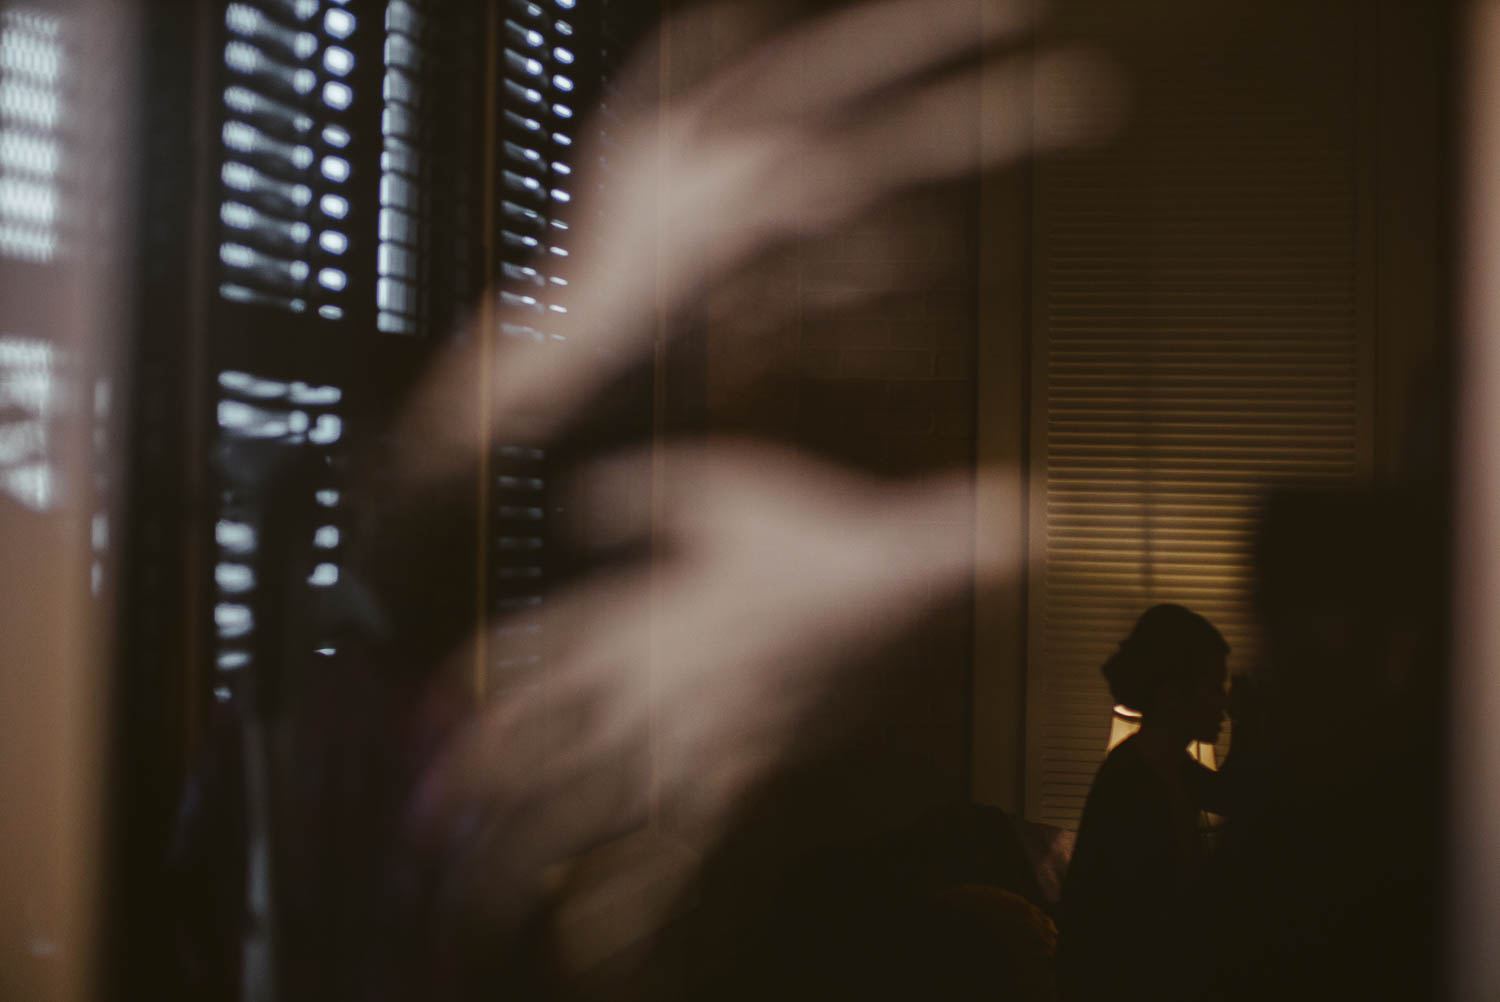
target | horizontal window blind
[
  {"x": 35, "y": 67},
  {"x": 39, "y": 108},
  {"x": 349, "y": 138},
  {"x": 257, "y": 414},
  {"x": 30, "y": 398},
  {"x": 285, "y": 133},
  {"x": 542, "y": 50},
  {"x": 1198, "y": 340},
  {"x": 60, "y": 178},
  {"x": 432, "y": 133},
  {"x": 539, "y": 131},
  {"x": 291, "y": 125}
]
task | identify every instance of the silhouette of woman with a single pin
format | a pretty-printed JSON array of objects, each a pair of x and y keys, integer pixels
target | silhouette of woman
[{"x": 1138, "y": 843}]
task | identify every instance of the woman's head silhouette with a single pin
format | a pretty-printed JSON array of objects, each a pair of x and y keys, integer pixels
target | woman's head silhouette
[{"x": 1171, "y": 668}]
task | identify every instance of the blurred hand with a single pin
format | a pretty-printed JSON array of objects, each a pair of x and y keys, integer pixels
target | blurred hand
[
  {"x": 775, "y": 574},
  {"x": 796, "y": 138}
]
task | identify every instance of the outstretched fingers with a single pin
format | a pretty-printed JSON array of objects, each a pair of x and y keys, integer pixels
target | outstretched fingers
[
  {"x": 771, "y": 150},
  {"x": 780, "y": 570}
]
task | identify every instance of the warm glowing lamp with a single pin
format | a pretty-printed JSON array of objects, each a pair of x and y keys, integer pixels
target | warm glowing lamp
[{"x": 1125, "y": 722}]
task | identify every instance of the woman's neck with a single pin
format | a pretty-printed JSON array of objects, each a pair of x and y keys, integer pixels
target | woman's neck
[{"x": 1159, "y": 745}]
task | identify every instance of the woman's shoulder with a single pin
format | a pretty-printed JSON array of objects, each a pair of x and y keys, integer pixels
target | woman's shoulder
[
  {"x": 1125, "y": 784},
  {"x": 1124, "y": 763},
  {"x": 1125, "y": 822}
]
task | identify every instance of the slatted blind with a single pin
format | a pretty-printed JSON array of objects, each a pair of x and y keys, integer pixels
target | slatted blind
[
  {"x": 58, "y": 137},
  {"x": 255, "y": 409},
  {"x": 349, "y": 144},
  {"x": 428, "y": 271},
  {"x": 291, "y": 125},
  {"x": 35, "y": 70},
  {"x": 539, "y": 130},
  {"x": 544, "y": 47},
  {"x": 29, "y": 401},
  {"x": 34, "y": 114},
  {"x": 311, "y": 224},
  {"x": 286, "y": 128},
  {"x": 1199, "y": 338},
  {"x": 404, "y": 174}
]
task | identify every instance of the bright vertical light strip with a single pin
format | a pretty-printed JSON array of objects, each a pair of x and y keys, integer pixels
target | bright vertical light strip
[
  {"x": 33, "y": 69},
  {"x": 396, "y": 293},
  {"x": 1474, "y": 752}
]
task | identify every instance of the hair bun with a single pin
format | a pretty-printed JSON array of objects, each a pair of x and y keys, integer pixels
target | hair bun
[
  {"x": 1129, "y": 677},
  {"x": 1166, "y": 642}
]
